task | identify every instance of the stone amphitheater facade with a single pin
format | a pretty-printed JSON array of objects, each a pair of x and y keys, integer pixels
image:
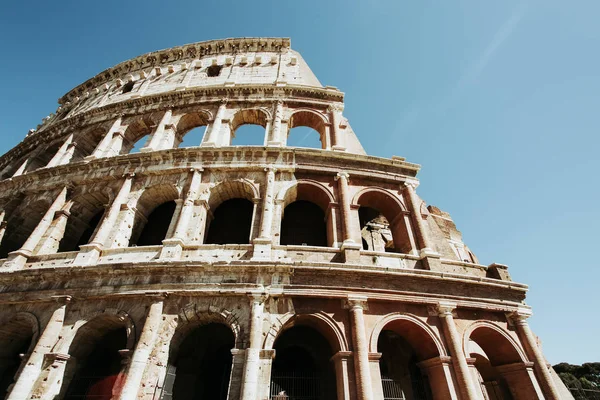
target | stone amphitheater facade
[{"x": 223, "y": 271}]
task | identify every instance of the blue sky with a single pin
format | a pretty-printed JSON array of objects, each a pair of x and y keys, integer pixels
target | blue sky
[{"x": 498, "y": 101}]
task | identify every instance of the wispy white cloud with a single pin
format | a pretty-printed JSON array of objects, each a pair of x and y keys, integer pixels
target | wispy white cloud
[{"x": 477, "y": 67}]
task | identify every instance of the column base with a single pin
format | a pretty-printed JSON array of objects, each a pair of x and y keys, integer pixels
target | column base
[
  {"x": 146, "y": 149},
  {"x": 88, "y": 254},
  {"x": 17, "y": 259},
  {"x": 351, "y": 251},
  {"x": 262, "y": 249},
  {"x": 338, "y": 148},
  {"x": 172, "y": 249},
  {"x": 275, "y": 144},
  {"x": 430, "y": 259},
  {"x": 208, "y": 144}
]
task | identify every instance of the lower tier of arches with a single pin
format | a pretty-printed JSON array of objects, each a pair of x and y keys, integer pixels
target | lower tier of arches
[{"x": 261, "y": 345}]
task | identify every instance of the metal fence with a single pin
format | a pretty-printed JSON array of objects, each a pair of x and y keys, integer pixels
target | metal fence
[
  {"x": 392, "y": 389},
  {"x": 296, "y": 386}
]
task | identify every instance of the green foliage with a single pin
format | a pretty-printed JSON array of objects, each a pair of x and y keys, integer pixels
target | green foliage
[{"x": 586, "y": 376}]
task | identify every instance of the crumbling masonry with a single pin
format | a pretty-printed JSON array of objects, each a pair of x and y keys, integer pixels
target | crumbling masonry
[{"x": 222, "y": 271}]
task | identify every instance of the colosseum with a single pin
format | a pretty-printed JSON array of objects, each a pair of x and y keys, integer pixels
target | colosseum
[{"x": 137, "y": 264}]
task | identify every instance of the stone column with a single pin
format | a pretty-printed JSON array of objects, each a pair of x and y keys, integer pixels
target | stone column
[
  {"x": 104, "y": 145},
  {"x": 158, "y": 139},
  {"x": 360, "y": 344},
  {"x": 251, "y": 368},
  {"x": 18, "y": 258},
  {"x": 49, "y": 243},
  {"x": 533, "y": 352},
  {"x": 415, "y": 210},
  {"x": 211, "y": 135},
  {"x": 90, "y": 252},
  {"x": 173, "y": 246},
  {"x": 340, "y": 360},
  {"x": 463, "y": 377},
  {"x": 60, "y": 156},
  {"x": 350, "y": 248},
  {"x": 263, "y": 243},
  {"x": 276, "y": 128},
  {"x": 29, "y": 374},
  {"x": 3, "y": 223},
  {"x": 143, "y": 349},
  {"x": 335, "y": 111}
]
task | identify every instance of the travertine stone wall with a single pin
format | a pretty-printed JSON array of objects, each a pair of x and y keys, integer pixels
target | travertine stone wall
[{"x": 76, "y": 176}]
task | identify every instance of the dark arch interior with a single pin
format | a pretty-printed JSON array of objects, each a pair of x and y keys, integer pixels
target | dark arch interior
[
  {"x": 156, "y": 228},
  {"x": 301, "y": 369},
  {"x": 70, "y": 242},
  {"x": 98, "y": 372},
  {"x": 491, "y": 381},
  {"x": 14, "y": 341},
  {"x": 303, "y": 224},
  {"x": 401, "y": 378},
  {"x": 203, "y": 365},
  {"x": 375, "y": 230},
  {"x": 20, "y": 227},
  {"x": 231, "y": 223},
  {"x": 43, "y": 157}
]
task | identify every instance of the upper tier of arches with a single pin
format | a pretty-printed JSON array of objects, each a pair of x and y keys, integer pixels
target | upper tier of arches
[{"x": 216, "y": 125}]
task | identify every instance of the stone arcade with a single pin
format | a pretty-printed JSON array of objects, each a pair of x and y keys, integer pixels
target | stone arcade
[{"x": 222, "y": 271}]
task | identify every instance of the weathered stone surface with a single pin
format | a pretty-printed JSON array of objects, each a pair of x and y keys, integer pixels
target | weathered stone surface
[{"x": 159, "y": 256}]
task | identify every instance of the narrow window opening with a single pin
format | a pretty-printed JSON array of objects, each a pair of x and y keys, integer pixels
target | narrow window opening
[
  {"x": 69, "y": 242},
  {"x": 157, "y": 226},
  {"x": 128, "y": 87},
  {"x": 214, "y": 70},
  {"x": 231, "y": 223}
]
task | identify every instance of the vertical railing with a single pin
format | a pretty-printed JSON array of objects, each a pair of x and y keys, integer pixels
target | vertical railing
[{"x": 296, "y": 386}]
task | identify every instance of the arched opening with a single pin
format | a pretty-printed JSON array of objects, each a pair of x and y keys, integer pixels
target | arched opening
[
  {"x": 303, "y": 223},
  {"x": 304, "y": 136},
  {"x": 401, "y": 378},
  {"x": 85, "y": 216},
  {"x": 156, "y": 227},
  {"x": 154, "y": 216},
  {"x": 43, "y": 156},
  {"x": 307, "y": 215},
  {"x": 86, "y": 142},
  {"x": 95, "y": 369},
  {"x": 410, "y": 365},
  {"x": 21, "y": 225},
  {"x": 128, "y": 87},
  {"x": 200, "y": 367},
  {"x": 305, "y": 128},
  {"x": 375, "y": 230},
  {"x": 191, "y": 129},
  {"x": 16, "y": 339},
  {"x": 501, "y": 372},
  {"x": 231, "y": 222},
  {"x": 248, "y": 128},
  {"x": 136, "y": 134},
  {"x": 384, "y": 225},
  {"x": 302, "y": 368}
]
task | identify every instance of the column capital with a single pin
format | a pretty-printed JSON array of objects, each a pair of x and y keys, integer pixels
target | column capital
[
  {"x": 257, "y": 296},
  {"x": 356, "y": 302},
  {"x": 342, "y": 174},
  {"x": 335, "y": 107},
  {"x": 62, "y": 299},
  {"x": 128, "y": 175},
  {"x": 157, "y": 296},
  {"x": 519, "y": 316},
  {"x": 411, "y": 184},
  {"x": 445, "y": 308},
  {"x": 270, "y": 168}
]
